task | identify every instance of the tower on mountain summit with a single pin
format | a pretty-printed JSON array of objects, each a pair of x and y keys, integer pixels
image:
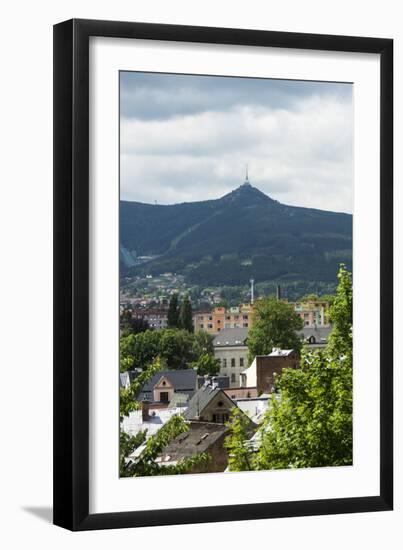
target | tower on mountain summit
[{"x": 246, "y": 182}]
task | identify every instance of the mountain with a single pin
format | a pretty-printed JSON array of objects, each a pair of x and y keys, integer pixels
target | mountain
[{"x": 241, "y": 235}]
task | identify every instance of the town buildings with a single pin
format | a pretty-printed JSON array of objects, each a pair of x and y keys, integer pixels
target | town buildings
[
  {"x": 209, "y": 404},
  {"x": 262, "y": 371},
  {"x": 241, "y": 393},
  {"x": 165, "y": 384},
  {"x": 231, "y": 349},
  {"x": 156, "y": 318},
  {"x": 202, "y": 437},
  {"x": 314, "y": 313},
  {"x": 220, "y": 318}
]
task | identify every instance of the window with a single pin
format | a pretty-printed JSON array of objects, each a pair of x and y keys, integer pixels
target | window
[
  {"x": 209, "y": 325},
  {"x": 245, "y": 317},
  {"x": 164, "y": 396},
  {"x": 245, "y": 325},
  {"x": 241, "y": 360},
  {"x": 224, "y": 362},
  {"x": 220, "y": 418},
  {"x": 210, "y": 318},
  {"x": 232, "y": 377},
  {"x": 233, "y": 362},
  {"x": 201, "y": 325}
]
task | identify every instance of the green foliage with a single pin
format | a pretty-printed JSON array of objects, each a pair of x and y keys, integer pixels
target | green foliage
[
  {"x": 206, "y": 364},
  {"x": 173, "y": 312},
  {"x": 203, "y": 343},
  {"x": 240, "y": 457},
  {"x": 310, "y": 423},
  {"x": 274, "y": 325},
  {"x": 139, "y": 350},
  {"x": 175, "y": 347},
  {"x": 132, "y": 324},
  {"x": 127, "y": 445},
  {"x": 146, "y": 465},
  {"x": 128, "y": 395},
  {"x": 341, "y": 312},
  {"x": 185, "y": 315}
]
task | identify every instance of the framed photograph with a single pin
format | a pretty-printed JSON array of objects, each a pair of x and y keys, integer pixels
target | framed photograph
[{"x": 223, "y": 274}]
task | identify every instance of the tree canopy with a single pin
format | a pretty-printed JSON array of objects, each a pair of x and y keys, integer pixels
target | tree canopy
[
  {"x": 240, "y": 457},
  {"x": 128, "y": 401},
  {"x": 206, "y": 364},
  {"x": 185, "y": 320},
  {"x": 274, "y": 325},
  {"x": 176, "y": 348},
  {"x": 173, "y": 312},
  {"x": 132, "y": 324}
]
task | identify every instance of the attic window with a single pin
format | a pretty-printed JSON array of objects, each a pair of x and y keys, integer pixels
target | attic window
[
  {"x": 164, "y": 383},
  {"x": 220, "y": 404}
]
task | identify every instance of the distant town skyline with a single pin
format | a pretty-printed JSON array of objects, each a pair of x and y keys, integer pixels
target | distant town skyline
[{"x": 186, "y": 138}]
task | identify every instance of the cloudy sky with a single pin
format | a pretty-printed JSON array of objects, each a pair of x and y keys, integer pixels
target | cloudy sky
[{"x": 188, "y": 138}]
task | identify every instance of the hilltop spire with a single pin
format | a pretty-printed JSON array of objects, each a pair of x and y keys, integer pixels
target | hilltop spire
[{"x": 246, "y": 182}]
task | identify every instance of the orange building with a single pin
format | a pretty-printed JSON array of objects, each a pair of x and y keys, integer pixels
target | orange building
[
  {"x": 314, "y": 313},
  {"x": 220, "y": 318}
]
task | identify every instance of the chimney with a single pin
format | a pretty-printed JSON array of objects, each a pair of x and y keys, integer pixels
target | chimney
[
  {"x": 145, "y": 410},
  {"x": 278, "y": 292}
]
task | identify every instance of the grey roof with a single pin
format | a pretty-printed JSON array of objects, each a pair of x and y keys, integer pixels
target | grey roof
[
  {"x": 182, "y": 380},
  {"x": 231, "y": 337},
  {"x": 277, "y": 352},
  {"x": 222, "y": 381},
  {"x": 200, "y": 437},
  {"x": 321, "y": 334},
  {"x": 201, "y": 399}
]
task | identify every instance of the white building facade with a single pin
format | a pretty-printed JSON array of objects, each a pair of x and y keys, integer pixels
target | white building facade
[{"x": 231, "y": 350}]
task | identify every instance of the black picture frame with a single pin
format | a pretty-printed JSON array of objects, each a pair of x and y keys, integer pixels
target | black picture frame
[{"x": 71, "y": 273}]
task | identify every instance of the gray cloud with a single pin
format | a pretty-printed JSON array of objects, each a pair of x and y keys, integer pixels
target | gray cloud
[
  {"x": 186, "y": 138},
  {"x": 151, "y": 96}
]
